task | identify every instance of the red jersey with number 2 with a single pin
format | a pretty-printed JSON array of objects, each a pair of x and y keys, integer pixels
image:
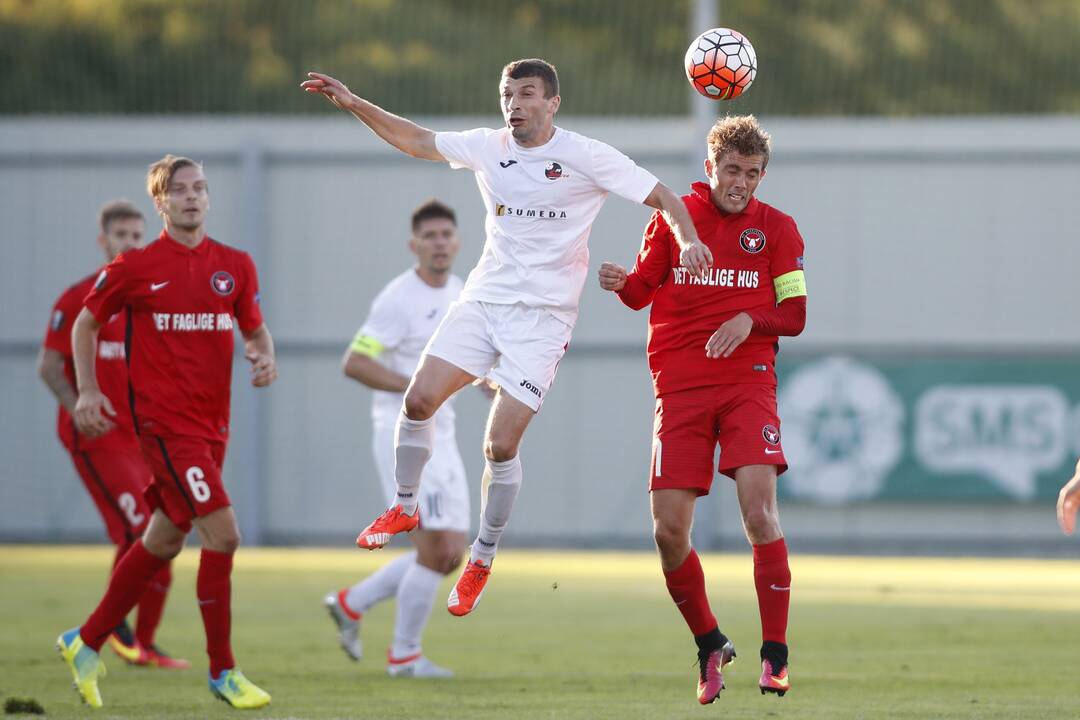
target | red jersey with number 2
[
  {"x": 183, "y": 304},
  {"x": 110, "y": 366}
]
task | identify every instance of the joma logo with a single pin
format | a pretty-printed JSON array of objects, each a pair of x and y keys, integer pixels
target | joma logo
[{"x": 530, "y": 387}]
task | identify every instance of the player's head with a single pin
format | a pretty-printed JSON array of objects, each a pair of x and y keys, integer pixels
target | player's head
[
  {"x": 180, "y": 192},
  {"x": 122, "y": 227},
  {"x": 529, "y": 91},
  {"x": 434, "y": 238},
  {"x": 737, "y": 156}
]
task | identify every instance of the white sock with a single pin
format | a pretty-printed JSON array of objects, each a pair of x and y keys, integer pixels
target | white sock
[
  {"x": 415, "y": 598},
  {"x": 379, "y": 585},
  {"x": 502, "y": 480},
  {"x": 413, "y": 440}
]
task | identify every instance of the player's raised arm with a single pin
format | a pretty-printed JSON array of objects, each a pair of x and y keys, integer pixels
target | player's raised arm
[
  {"x": 88, "y": 414},
  {"x": 404, "y": 134},
  {"x": 693, "y": 255}
]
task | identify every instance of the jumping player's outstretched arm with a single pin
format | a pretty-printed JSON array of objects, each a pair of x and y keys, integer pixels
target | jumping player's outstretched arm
[
  {"x": 693, "y": 255},
  {"x": 405, "y": 135}
]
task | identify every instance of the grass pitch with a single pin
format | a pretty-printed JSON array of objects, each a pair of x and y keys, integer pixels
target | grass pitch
[{"x": 580, "y": 635}]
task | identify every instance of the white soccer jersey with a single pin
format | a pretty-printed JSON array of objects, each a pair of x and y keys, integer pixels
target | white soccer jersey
[
  {"x": 541, "y": 203},
  {"x": 402, "y": 319}
]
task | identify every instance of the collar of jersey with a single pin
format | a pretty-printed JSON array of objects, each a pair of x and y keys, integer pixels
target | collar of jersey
[
  {"x": 532, "y": 150},
  {"x": 176, "y": 246},
  {"x": 703, "y": 193}
]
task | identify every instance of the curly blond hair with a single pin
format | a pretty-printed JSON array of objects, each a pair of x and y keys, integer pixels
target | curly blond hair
[{"x": 739, "y": 133}]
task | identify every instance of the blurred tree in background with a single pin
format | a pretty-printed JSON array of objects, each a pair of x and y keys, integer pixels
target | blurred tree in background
[{"x": 615, "y": 57}]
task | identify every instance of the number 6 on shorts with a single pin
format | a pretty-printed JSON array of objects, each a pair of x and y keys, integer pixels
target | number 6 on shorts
[{"x": 200, "y": 490}]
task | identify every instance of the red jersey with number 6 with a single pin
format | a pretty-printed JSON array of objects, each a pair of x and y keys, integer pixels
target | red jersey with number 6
[
  {"x": 181, "y": 305},
  {"x": 757, "y": 263},
  {"x": 111, "y": 370}
]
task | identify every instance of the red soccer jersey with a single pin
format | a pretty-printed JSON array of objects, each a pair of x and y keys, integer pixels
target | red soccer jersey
[
  {"x": 112, "y": 375},
  {"x": 181, "y": 304},
  {"x": 751, "y": 250}
]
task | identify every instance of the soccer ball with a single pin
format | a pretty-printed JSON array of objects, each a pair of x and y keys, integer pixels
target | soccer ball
[{"x": 721, "y": 64}]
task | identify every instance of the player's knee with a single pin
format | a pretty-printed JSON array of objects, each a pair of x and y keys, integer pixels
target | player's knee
[
  {"x": 228, "y": 543},
  {"x": 500, "y": 449},
  {"x": 761, "y": 525},
  {"x": 419, "y": 405},
  {"x": 164, "y": 548},
  {"x": 449, "y": 562},
  {"x": 670, "y": 535}
]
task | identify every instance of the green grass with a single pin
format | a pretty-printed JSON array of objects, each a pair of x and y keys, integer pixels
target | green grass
[{"x": 582, "y": 635}]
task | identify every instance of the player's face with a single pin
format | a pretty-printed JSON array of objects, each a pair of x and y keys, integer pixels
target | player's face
[
  {"x": 527, "y": 113},
  {"x": 436, "y": 244},
  {"x": 187, "y": 199},
  {"x": 734, "y": 178},
  {"x": 121, "y": 235}
]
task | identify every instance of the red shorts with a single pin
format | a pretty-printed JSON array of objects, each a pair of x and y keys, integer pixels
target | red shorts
[
  {"x": 116, "y": 480},
  {"x": 187, "y": 477},
  {"x": 689, "y": 424}
]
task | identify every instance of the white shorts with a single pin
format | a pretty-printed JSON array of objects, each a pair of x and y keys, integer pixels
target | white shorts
[
  {"x": 444, "y": 491},
  {"x": 517, "y": 346}
]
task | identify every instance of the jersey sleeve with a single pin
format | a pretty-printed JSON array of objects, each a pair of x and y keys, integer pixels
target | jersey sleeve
[
  {"x": 461, "y": 149},
  {"x": 786, "y": 264},
  {"x": 615, "y": 172},
  {"x": 64, "y": 312},
  {"x": 246, "y": 308},
  {"x": 652, "y": 265},
  {"x": 111, "y": 289},
  {"x": 384, "y": 328}
]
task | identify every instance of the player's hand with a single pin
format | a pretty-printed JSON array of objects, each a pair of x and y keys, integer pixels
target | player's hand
[
  {"x": 697, "y": 258},
  {"x": 91, "y": 410},
  {"x": 263, "y": 368},
  {"x": 334, "y": 90},
  {"x": 1069, "y": 502},
  {"x": 612, "y": 277},
  {"x": 729, "y": 336}
]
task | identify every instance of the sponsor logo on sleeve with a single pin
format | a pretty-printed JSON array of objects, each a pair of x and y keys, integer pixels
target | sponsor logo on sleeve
[
  {"x": 57, "y": 321},
  {"x": 752, "y": 240},
  {"x": 222, "y": 283},
  {"x": 100, "y": 282}
]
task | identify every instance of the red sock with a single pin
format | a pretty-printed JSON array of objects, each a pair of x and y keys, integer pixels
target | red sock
[
  {"x": 686, "y": 584},
  {"x": 126, "y": 586},
  {"x": 772, "y": 577},
  {"x": 215, "y": 593},
  {"x": 152, "y": 605}
]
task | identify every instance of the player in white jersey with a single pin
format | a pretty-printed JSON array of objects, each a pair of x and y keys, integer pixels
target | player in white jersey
[
  {"x": 383, "y": 356},
  {"x": 542, "y": 188}
]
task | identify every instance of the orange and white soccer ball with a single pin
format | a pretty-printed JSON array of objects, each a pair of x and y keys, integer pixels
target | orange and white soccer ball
[{"x": 721, "y": 63}]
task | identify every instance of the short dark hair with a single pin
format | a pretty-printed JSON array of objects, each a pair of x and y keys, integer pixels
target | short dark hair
[
  {"x": 118, "y": 210},
  {"x": 535, "y": 67},
  {"x": 431, "y": 210}
]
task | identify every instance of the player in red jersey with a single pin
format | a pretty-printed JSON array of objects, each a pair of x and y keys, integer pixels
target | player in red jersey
[
  {"x": 111, "y": 465},
  {"x": 712, "y": 351},
  {"x": 184, "y": 293},
  {"x": 1069, "y": 502}
]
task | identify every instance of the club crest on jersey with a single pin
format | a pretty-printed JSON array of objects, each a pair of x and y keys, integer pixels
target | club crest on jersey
[
  {"x": 771, "y": 434},
  {"x": 222, "y": 282},
  {"x": 752, "y": 240},
  {"x": 553, "y": 171}
]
